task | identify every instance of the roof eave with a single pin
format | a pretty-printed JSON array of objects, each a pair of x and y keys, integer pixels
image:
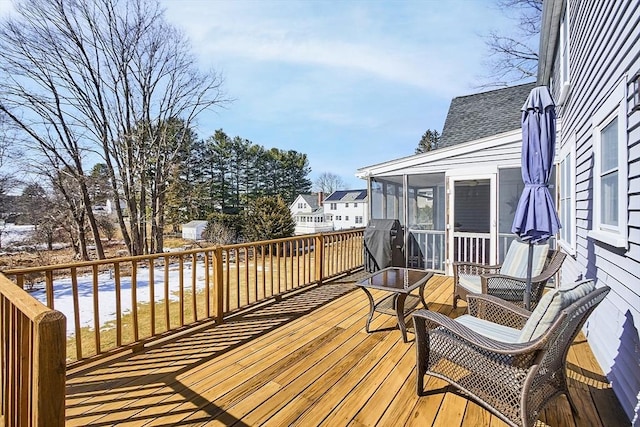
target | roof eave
[{"x": 549, "y": 33}]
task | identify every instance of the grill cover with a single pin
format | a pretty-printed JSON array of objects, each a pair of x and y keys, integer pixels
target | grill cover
[{"x": 383, "y": 244}]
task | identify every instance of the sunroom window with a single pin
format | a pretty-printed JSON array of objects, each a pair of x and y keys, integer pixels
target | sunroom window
[{"x": 610, "y": 170}]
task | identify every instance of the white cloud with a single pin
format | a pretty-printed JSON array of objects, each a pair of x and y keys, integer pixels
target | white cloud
[
  {"x": 421, "y": 47},
  {"x": 349, "y": 83}
]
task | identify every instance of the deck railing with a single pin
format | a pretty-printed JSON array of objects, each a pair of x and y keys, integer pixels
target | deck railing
[
  {"x": 32, "y": 355},
  {"x": 125, "y": 302}
]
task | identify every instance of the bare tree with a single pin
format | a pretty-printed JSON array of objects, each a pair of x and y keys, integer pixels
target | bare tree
[
  {"x": 513, "y": 58},
  {"x": 219, "y": 233},
  {"x": 103, "y": 78},
  {"x": 328, "y": 182}
]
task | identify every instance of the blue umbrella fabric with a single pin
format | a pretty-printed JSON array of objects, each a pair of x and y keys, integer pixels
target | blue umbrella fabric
[{"x": 536, "y": 219}]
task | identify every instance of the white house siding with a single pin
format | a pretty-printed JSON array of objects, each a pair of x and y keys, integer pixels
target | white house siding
[
  {"x": 351, "y": 212},
  {"x": 604, "y": 48}
]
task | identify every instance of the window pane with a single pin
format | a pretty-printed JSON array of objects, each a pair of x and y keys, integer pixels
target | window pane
[
  {"x": 609, "y": 147},
  {"x": 610, "y": 199},
  {"x": 565, "y": 200}
]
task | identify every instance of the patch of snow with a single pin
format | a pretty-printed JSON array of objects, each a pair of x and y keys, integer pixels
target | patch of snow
[
  {"x": 63, "y": 293},
  {"x": 12, "y": 233}
]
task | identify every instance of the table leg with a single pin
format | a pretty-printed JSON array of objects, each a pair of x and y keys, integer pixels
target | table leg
[
  {"x": 399, "y": 303},
  {"x": 372, "y": 308}
]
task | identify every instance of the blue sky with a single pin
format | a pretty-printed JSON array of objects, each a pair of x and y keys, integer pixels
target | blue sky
[{"x": 349, "y": 83}]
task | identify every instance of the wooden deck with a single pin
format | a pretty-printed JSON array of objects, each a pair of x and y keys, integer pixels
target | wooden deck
[{"x": 305, "y": 360}]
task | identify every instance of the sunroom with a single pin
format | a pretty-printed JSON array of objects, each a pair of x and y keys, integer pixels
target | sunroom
[{"x": 457, "y": 203}]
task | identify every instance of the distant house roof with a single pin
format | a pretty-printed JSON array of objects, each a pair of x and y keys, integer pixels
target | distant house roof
[
  {"x": 480, "y": 115},
  {"x": 347, "y": 196},
  {"x": 311, "y": 200}
]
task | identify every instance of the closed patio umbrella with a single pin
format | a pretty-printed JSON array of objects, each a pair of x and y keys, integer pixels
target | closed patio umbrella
[{"x": 536, "y": 219}]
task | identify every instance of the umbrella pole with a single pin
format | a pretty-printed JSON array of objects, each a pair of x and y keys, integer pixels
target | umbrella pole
[{"x": 527, "y": 290}]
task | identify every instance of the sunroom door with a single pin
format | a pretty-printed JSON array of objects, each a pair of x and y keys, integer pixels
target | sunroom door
[{"x": 471, "y": 219}]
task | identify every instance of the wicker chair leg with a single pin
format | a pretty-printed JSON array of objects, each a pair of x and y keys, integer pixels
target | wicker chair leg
[
  {"x": 420, "y": 383},
  {"x": 455, "y": 301}
]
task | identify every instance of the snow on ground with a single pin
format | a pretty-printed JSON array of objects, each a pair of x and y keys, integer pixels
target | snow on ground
[
  {"x": 12, "y": 233},
  {"x": 63, "y": 295}
]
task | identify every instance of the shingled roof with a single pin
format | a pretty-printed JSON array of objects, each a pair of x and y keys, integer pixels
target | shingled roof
[
  {"x": 311, "y": 200},
  {"x": 484, "y": 114}
]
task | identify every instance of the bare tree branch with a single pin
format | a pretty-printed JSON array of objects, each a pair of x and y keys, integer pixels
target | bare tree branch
[
  {"x": 513, "y": 58},
  {"x": 108, "y": 79},
  {"x": 328, "y": 182}
]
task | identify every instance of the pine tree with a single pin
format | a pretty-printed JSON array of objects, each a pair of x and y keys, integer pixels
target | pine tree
[
  {"x": 428, "y": 142},
  {"x": 268, "y": 218}
]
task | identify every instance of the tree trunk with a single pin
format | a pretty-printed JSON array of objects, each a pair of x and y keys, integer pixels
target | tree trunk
[{"x": 92, "y": 220}]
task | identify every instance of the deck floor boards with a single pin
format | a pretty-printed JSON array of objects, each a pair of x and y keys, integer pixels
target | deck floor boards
[{"x": 305, "y": 360}]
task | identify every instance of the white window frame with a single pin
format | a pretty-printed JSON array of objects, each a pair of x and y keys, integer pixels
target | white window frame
[
  {"x": 564, "y": 57},
  {"x": 615, "y": 106},
  {"x": 567, "y": 191}
]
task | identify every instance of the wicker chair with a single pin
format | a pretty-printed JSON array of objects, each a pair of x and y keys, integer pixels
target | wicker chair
[
  {"x": 492, "y": 356},
  {"x": 492, "y": 280}
]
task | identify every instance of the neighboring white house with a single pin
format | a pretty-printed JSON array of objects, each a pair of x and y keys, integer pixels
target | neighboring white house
[
  {"x": 193, "y": 230},
  {"x": 347, "y": 209},
  {"x": 308, "y": 214}
]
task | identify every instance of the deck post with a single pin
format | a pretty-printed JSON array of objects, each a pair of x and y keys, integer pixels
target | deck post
[
  {"x": 218, "y": 281},
  {"x": 50, "y": 369},
  {"x": 319, "y": 257}
]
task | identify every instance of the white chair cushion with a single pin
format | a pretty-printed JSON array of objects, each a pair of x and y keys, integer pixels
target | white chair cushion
[
  {"x": 516, "y": 259},
  {"x": 490, "y": 329},
  {"x": 550, "y": 306},
  {"x": 472, "y": 284}
]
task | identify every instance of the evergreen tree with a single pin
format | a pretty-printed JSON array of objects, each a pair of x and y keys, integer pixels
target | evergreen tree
[
  {"x": 99, "y": 185},
  {"x": 268, "y": 218},
  {"x": 221, "y": 153},
  {"x": 428, "y": 142},
  {"x": 186, "y": 193}
]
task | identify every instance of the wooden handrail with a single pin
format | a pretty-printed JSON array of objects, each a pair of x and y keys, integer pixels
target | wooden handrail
[
  {"x": 191, "y": 286},
  {"x": 32, "y": 359}
]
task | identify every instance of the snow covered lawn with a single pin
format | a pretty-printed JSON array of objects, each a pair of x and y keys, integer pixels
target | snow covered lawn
[{"x": 63, "y": 295}]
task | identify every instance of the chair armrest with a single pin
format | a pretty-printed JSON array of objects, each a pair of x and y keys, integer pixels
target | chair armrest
[
  {"x": 497, "y": 310},
  {"x": 425, "y": 321},
  {"x": 474, "y": 268},
  {"x": 513, "y": 288}
]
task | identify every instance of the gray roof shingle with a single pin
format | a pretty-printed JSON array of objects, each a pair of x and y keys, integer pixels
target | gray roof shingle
[
  {"x": 484, "y": 114},
  {"x": 311, "y": 199}
]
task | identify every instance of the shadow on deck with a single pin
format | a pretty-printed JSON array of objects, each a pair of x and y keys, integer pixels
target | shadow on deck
[{"x": 303, "y": 360}]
